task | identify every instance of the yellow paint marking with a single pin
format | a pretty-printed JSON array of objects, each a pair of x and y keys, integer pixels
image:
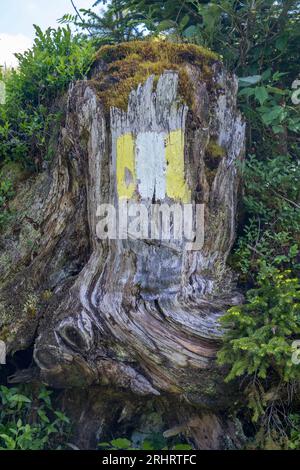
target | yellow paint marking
[
  {"x": 177, "y": 187},
  {"x": 126, "y": 174}
]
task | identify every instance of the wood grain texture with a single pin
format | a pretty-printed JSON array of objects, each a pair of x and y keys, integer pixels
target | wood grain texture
[{"x": 133, "y": 314}]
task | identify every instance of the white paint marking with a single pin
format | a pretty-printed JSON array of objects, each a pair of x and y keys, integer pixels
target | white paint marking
[{"x": 151, "y": 165}]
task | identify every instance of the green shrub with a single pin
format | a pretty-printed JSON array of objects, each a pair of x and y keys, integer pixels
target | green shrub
[
  {"x": 260, "y": 333},
  {"x": 28, "y": 421},
  {"x": 294, "y": 438},
  {"x": 43, "y": 74},
  {"x": 55, "y": 59}
]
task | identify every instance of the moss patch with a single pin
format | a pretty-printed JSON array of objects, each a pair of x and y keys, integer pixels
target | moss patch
[
  {"x": 129, "y": 64},
  {"x": 213, "y": 156}
]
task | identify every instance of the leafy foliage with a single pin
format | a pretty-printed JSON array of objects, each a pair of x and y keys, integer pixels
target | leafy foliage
[
  {"x": 271, "y": 232},
  {"x": 294, "y": 438},
  {"x": 260, "y": 333},
  {"x": 249, "y": 34},
  {"x": 154, "y": 442},
  {"x": 44, "y": 72},
  {"x": 126, "y": 20},
  {"x": 55, "y": 59},
  {"x": 29, "y": 421},
  {"x": 115, "y": 24}
]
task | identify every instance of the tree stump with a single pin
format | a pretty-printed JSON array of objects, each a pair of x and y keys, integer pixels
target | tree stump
[{"x": 139, "y": 317}]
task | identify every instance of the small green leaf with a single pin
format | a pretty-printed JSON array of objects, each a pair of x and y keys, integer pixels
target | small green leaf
[
  {"x": 247, "y": 92},
  {"x": 261, "y": 94},
  {"x": 121, "y": 443},
  {"x": 62, "y": 417},
  {"x": 165, "y": 25},
  {"x": 191, "y": 31},
  {"x": 104, "y": 445},
  {"x": 17, "y": 398},
  {"x": 282, "y": 42},
  {"x": 252, "y": 80},
  {"x": 147, "y": 445},
  {"x": 182, "y": 447},
  {"x": 184, "y": 22}
]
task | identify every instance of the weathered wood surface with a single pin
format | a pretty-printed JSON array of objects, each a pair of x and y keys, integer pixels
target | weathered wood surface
[{"x": 133, "y": 314}]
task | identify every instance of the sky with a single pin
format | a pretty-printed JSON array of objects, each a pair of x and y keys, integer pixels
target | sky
[{"x": 18, "y": 16}]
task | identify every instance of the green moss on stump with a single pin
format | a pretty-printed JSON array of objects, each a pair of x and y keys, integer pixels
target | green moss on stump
[
  {"x": 215, "y": 151},
  {"x": 129, "y": 64},
  {"x": 213, "y": 156}
]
